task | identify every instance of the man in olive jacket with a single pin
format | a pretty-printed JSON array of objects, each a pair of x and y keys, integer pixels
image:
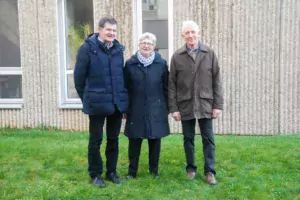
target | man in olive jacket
[{"x": 195, "y": 93}]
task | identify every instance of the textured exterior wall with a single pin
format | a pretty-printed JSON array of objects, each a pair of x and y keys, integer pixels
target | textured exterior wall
[
  {"x": 41, "y": 66},
  {"x": 30, "y": 115},
  {"x": 257, "y": 43},
  {"x": 289, "y": 67},
  {"x": 123, "y": 12}
]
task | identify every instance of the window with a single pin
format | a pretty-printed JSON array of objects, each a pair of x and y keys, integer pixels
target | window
[
  {"x": 155, "y": 16},
  {"x": 75, "y": 24},
  {"x": 10, "y": 59}
]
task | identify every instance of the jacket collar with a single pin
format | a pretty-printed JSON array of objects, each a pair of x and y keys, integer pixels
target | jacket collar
[
  {"x": 200, "y": 54},
  {"x": 92, "y": 39},
  {"x": 135, "y": 60},
  {"x": 183, "y": 49}
]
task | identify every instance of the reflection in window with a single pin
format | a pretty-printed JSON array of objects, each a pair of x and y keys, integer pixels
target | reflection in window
[
  {"x": 77, "y": 23},
  {"x": 10, "y": 86},
  {"x": 9, "y": 34},
  {"x": 155, "y": 20},
  {"x": 10, "y": 59},
  {"x": 72, "y": 93}
]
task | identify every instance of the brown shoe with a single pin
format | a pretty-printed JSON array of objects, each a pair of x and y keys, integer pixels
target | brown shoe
[
  {"x": 191, "y": 175},
  {"x": 210, "y": 179}
]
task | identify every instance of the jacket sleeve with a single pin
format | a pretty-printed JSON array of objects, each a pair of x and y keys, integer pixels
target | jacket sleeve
[
  {"x": 165, "y": 83},
  {"x": 81, "y": 68},
  {"x": 217, "y": 85},
  {"x": 172, "y": 89},
  {"x": 126, "y": 76},
  {"x": 127, "y": 81}
]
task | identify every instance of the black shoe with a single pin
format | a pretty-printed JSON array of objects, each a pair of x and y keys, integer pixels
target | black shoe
[
  {"x": 113, "y": 178},
  {"x": 154, "y": 174},
  {"x": 98, "y": 181}
]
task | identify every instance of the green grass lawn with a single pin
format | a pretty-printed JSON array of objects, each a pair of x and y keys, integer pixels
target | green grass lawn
[{"x": 48, "y": 164}]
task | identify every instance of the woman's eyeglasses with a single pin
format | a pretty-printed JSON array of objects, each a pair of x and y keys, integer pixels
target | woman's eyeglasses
[{"x": 146, "y": 43}]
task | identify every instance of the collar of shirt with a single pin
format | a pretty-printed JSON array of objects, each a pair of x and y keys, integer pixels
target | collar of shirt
[
  {"x": 108, "y": 47},
  {"x": 195, "y": 50}
]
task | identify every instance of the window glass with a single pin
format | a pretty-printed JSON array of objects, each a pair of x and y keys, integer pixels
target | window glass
[
  {"x": 79, "y": 24},
  {"x": 76, "y": 22},
  {"x": 155, "y": 20},
  {"x": 10, "y": 86},
  {"x": 9, "y": 34},
  {"x": 10, "y": 58},
  {"x": 72, "y": 93}
]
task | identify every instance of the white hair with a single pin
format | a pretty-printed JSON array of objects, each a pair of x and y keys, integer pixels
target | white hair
[
  {"x": 192, "y": 24},
  {"x": 149, "y": 36}
]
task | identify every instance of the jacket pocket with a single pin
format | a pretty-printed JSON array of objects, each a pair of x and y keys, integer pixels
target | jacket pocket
[
  {"x": 99, "y": 95},
  {"x": 206, "y": 105},
  {"x": 183, "y": 98},
  {"x": 158, "y": 110},
  {"x": 206, "y": 93},
  {"x": 185, "y": 107}
]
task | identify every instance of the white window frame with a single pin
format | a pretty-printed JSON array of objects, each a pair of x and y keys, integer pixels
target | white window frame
[
  {"x": 10, "y": 103},
  {"x": 138, "y": 25},
  {"x": 64, "y": 101}
]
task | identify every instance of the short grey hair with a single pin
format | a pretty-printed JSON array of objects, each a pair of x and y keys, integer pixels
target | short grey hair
[
  {"x": 192, "y": 24},
  {"x": 149, "y": 36}
]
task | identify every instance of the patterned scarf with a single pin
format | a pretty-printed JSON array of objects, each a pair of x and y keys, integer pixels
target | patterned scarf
[{"x": 146, "y": 61}]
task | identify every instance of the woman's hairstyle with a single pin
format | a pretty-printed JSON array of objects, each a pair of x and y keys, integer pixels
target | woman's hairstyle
[{"x": 149, "y": 36}]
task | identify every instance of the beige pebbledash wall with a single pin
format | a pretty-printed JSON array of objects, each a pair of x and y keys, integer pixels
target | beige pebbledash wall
[
  {"x": 258, "y": 46},
  {"x": 257, "y": 43}
]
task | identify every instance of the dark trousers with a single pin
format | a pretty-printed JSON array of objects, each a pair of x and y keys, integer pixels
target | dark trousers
[
  {"x": 134, "y": 150},
  {"x": 207, "y": 134},
  {"x": 113, "y": 126}
]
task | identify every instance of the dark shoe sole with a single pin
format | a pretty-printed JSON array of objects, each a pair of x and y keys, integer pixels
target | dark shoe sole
[
  {"x": 113, "y": 181},
  {"x": 98, "y": 185},
  {"x": 101, "y": 185},
  {"x": 129, "y": 177}
]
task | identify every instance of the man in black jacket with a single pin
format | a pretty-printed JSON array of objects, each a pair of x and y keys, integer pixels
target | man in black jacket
[{"x": 99, "y": 82}]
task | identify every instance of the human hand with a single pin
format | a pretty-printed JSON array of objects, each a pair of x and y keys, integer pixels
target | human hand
[
  {"x": 124, "y": 116},
  {"x": 176, "y": 116},
  {"x": 216, "y": 113}
]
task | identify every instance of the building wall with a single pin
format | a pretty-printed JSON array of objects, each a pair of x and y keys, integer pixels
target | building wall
[{"x": 257, "y": 43}]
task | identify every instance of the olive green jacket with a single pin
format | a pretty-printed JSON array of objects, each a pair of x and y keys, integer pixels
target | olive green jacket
[{"x": 195, "y": 86}]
